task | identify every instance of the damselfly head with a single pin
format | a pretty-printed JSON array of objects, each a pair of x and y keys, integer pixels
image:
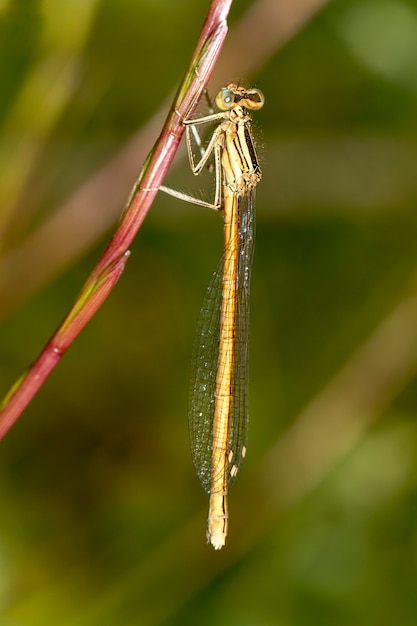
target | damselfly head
[{"x": 233, "y": 95}]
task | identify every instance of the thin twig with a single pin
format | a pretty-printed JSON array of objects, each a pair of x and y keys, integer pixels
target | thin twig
[{"x": 110, "y": 266}]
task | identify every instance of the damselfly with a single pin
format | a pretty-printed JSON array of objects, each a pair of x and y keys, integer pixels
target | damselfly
[{"x": 218, "y": 408}]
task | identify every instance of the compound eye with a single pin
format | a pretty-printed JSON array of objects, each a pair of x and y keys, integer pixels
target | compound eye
[
  {"x": 225, "y": 99},
  {"x": 255, "y": 99}
]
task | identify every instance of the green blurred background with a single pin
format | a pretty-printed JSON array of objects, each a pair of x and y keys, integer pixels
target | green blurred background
[{"x": 102, "y": 519}]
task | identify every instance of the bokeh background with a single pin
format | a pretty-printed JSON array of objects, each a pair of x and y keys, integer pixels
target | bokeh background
[{"x": 102, "y": 520}]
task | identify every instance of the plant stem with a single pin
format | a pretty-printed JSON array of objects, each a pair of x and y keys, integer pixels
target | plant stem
[{"x": 111, "y": 264}]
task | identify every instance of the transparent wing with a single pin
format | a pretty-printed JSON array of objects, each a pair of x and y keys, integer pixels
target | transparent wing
[
  {"x": 205, "y": 360},
  {"x": 203, "y": 379},
  {"x": 240, "y": 409}
]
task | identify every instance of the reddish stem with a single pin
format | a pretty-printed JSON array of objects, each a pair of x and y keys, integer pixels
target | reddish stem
[{"x": 111, "y": 264}]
